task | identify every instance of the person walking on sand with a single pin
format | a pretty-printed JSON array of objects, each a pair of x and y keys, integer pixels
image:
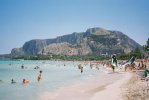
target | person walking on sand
[
  {"x": 113, "y": 62},
  {"x": 39, "y": 76}
]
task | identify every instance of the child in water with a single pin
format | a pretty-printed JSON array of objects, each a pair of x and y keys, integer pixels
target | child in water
[{"x": 39, "y": 76}]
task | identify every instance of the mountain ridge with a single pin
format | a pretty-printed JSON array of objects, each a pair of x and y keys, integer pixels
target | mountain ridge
[{"x": 95, "y": 40}]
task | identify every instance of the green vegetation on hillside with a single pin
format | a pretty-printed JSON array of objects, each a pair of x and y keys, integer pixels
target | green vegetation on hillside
[
  {"x": 88, "y": 57},
  {"x": 137, "y": 53},
  {"x": 146, "y": 47},
  {"x": 62, "y": 57}
]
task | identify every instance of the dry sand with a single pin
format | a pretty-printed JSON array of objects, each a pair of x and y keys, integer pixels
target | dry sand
[
  {"x": 104, "y": 87},
  {"x": 112, "y": 91}
]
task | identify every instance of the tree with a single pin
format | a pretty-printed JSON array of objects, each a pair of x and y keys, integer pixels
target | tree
[
  {"x": 146, "y": 47},
  {"x": 137, "y": 53}
]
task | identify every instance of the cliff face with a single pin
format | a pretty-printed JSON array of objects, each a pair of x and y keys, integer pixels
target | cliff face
[
  {"x": 34, "y": 47},
  {"x": 17, "y": 51},
  {"x": 95, "y": 40}
]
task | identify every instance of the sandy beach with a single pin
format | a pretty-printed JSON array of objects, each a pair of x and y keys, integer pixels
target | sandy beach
[{"x": 104, "y": 87}]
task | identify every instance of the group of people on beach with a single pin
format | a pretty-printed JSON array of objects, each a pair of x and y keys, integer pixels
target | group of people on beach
[{"x": 130, "y": 64}]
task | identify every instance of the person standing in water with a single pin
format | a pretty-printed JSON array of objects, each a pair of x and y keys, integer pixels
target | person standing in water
[
  {"x": 22, "y": 67},
  {"x": 81, "y": 69},
  {"x": 114, "y": 62},
  {"x": 39, "y": 76}
]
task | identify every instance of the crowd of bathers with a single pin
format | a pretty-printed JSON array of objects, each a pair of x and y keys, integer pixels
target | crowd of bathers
[{"x": 131, "y": 64}]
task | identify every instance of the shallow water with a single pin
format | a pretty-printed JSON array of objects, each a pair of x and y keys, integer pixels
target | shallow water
[{"x": 55, "y": 74}]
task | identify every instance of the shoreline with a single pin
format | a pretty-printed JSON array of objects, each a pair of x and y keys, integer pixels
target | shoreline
[
  {"x": 105, "y": 87},
  {"x": 113, "y": 91}
]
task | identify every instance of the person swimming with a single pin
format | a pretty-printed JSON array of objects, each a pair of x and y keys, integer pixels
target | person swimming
[
  {"x": 25, "y": 81},
  {"x": 12, "y": 81},
  {"x": 36, "y": 67},
  {"x": 22, "y": 67},
  {"x": 39, "y": 76}
]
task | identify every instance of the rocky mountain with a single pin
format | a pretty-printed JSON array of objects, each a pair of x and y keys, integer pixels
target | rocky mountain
[{"x": 97, "y": 41}]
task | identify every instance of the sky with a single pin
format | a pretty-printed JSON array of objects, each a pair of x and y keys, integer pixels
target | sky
[{"x": 23, "y": 20}]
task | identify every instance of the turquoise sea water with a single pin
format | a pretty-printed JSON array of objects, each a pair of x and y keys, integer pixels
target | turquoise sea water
[{"x": 55, "y": 74}]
